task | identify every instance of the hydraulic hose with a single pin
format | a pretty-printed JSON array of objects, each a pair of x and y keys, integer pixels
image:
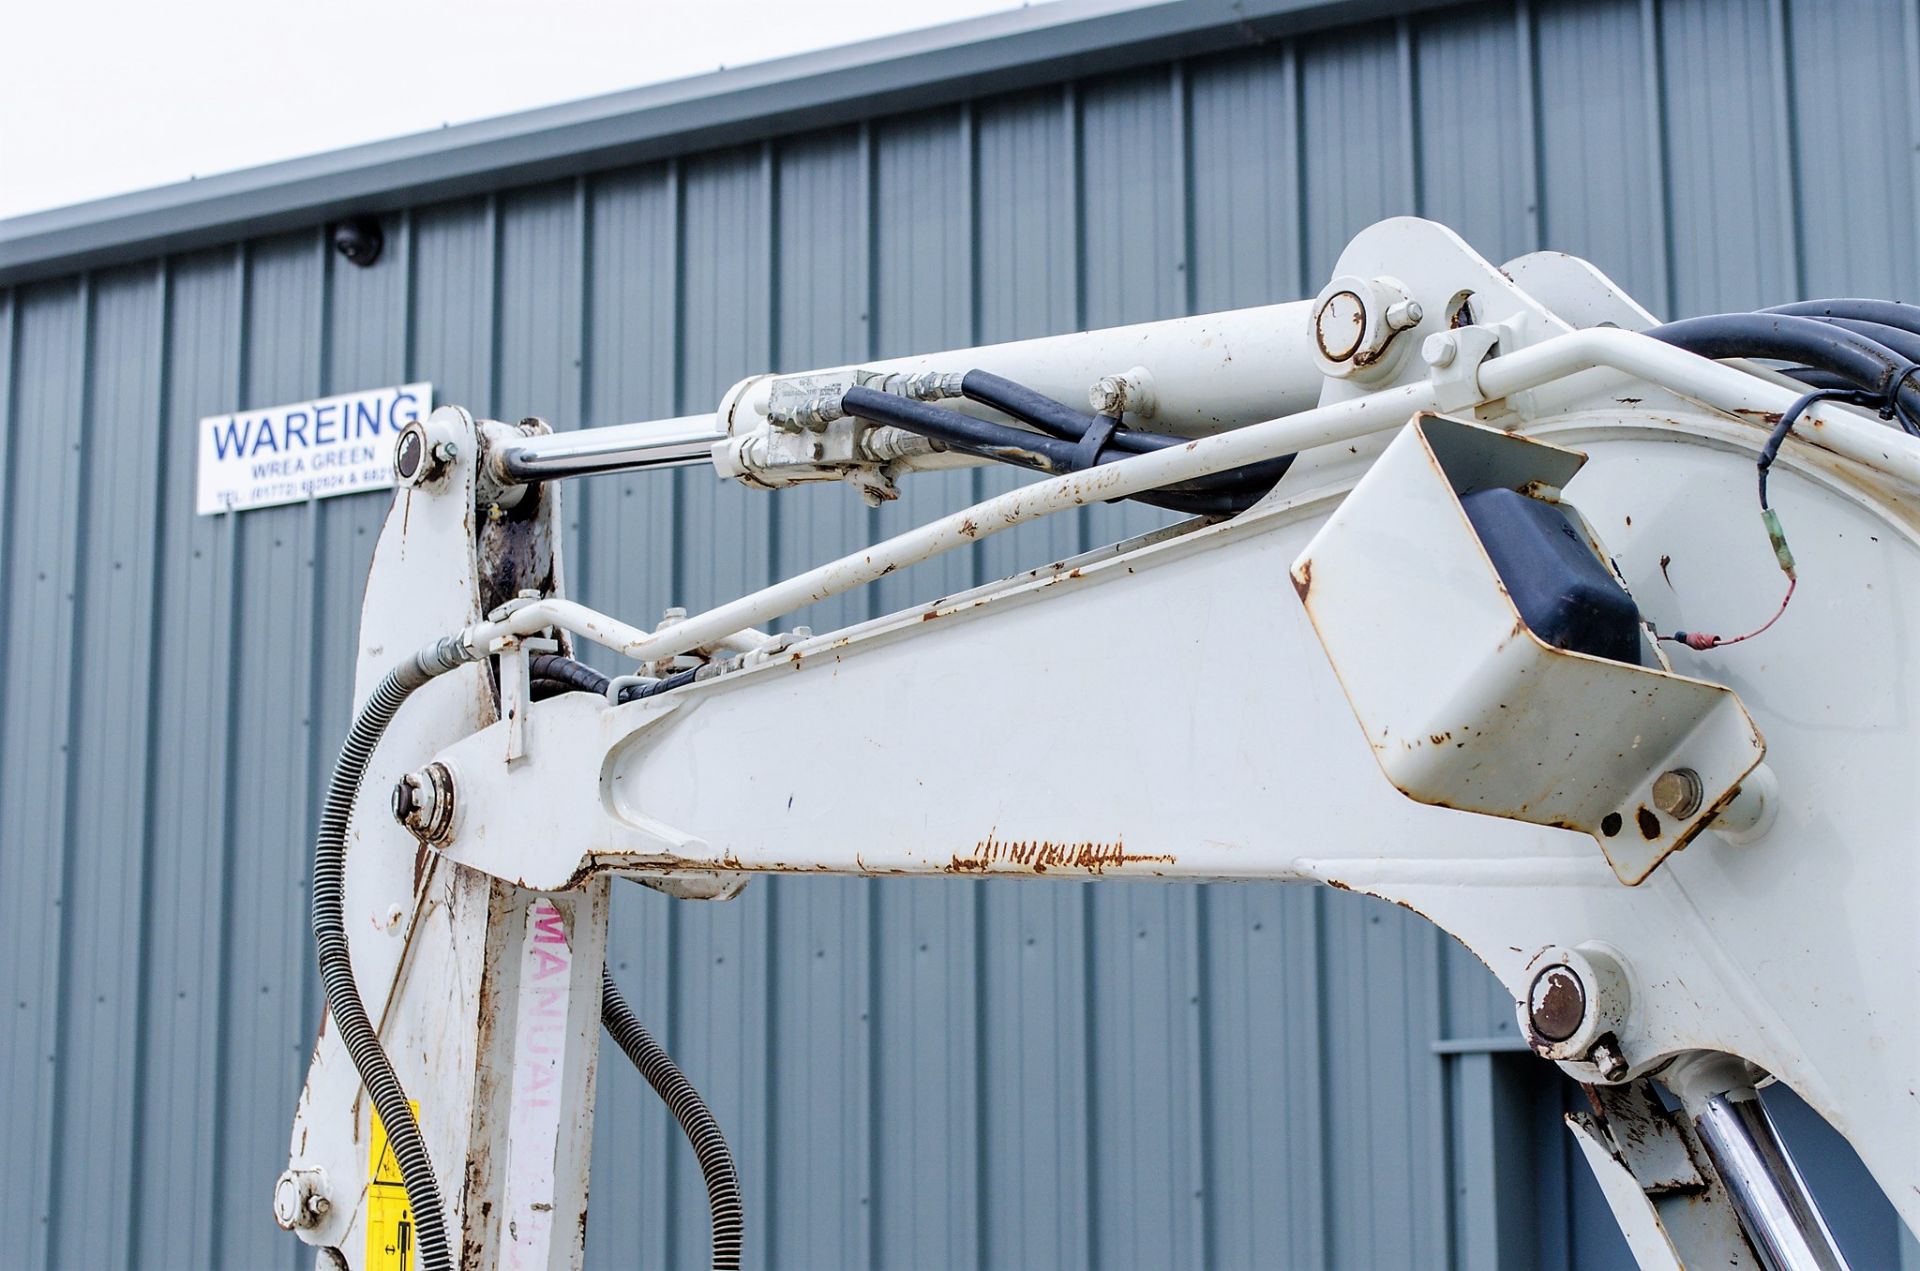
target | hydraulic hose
[
  {"x": 554, "y": 672},
  {"x": 1889, "y": 313},
  {"x": 336, "y": 966},
  {"x": 1027, "y": 405},
  {"x": 1822, "y": 346},
  {"x": 1211, "y": 496},
  {"x": 1896, "y": 340},
  {"x": 565, "y": 673},
  {"x": 1057, "y": 419},
  {"x": 690, "y": 1110}
]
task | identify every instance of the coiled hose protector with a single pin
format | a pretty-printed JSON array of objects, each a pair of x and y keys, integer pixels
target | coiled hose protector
[
  {"x": 336, "y": 966},
  {"x": 557, "y": 672},
  {"x": 691, "y": 1111}
]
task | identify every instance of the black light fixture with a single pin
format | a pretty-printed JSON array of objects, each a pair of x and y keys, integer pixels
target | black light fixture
[{"x": 359, "y": 240}]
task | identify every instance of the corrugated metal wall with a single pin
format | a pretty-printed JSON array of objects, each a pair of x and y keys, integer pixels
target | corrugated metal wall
[{"x": 923, "y": 1074}]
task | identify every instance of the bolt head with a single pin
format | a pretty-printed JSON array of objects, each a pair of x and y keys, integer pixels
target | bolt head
[
  {"x": 1678, "y": 793},
  {"x": 1340, "y": 325},
  {"x": 1608, "y": 1059},
  {"x": 445, "y": 451},
  {"x": 405, "y": 800},
  {"x": 1403, "y": 314},
  {"x": 1557, "y": 1003},
  {"x": 1440, "y": 349}
]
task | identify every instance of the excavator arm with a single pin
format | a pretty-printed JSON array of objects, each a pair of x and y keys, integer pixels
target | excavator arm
[{"x": 1434, "y": 631}]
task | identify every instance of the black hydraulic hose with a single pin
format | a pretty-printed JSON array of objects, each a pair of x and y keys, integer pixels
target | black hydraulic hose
[
  {"x": 1813, "y": 378},
  {"x": 557, "y": 672},
  {"x": 690, "y": 1110},
  {"x": 1896, "y": 340},
  {"x": 566, "y": 671},
  {"x": 979, "y": 436},
  {"x": 1027, "y": 405},
  {"x": 1058, "y": 419},
  {"x": 1863, "y": 363},
  {"x": 1889, "y": 313},
  {"x": 562, "y": 674},
  {"x": 336, "y": 966},
  {"x": 1212, "y": 496}
]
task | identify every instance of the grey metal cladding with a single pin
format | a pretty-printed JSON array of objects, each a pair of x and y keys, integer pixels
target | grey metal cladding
[{"x": 928, "y": 1074}]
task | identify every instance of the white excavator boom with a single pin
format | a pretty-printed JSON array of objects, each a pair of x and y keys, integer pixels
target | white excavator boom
[{"x": 1443, "y": 660}]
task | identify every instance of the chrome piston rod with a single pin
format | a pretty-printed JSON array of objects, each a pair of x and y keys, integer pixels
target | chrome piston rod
[
  {"x": 1768, "y": 1194},
  {"x": 657, "y": 443}
]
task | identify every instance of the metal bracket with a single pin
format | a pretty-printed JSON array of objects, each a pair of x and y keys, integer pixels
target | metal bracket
[
  {"x": 1464, "y": 706},
  {"x": 1455, "y": 358}
]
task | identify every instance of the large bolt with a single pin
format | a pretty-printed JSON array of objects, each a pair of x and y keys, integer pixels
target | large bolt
[
  {"x": 1108, "y": 396},
  {"x": 410, "y": 454},
  {"x": 423, "y": 803},
  {"x": 1557, "y": 1003},
  {"x": 299, "y": 1198},
  {"x": 1340, "y": 325},
  {"x": 1677, "y": 793}
]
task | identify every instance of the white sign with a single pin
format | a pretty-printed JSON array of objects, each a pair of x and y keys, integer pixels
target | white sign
[{"x": 306, "y": 450}]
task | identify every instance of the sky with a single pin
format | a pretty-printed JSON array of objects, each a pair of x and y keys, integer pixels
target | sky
[{"x": 100, "y": 97}]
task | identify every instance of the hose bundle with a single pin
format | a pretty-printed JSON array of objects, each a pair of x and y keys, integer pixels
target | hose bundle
[
  {"x": 1863, "y": 352},
  {"x": 1065, "y": 440}
]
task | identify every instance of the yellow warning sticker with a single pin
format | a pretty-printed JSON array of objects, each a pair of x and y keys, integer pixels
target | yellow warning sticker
[{"x": 389, "y": 1216}]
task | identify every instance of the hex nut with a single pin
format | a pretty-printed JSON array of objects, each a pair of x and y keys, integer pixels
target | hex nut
[
  {"x": 1678, "y": 793},
  {"x": 1108, "y": 396}
]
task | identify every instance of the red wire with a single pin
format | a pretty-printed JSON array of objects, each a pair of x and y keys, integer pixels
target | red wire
[{"x": 1701, "y": 641}]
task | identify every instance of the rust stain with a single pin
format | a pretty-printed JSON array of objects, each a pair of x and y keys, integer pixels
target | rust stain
[
  {"x": 968, "y": 528},
  {"x": 1303, "y": 578},
  {"x": 1040, "y": 855}
]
